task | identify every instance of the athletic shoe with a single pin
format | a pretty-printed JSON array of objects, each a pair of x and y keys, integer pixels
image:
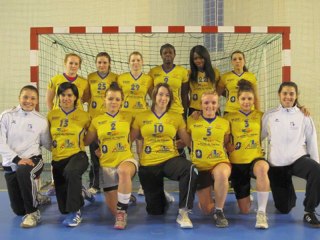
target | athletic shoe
[
  {"x": 73, "y": 219},
  {"x": 169, "y": 197},
  {"x": 220, "y": 219},
  {"x": 140, "y": 191},
  {"x": 87, "y": 195},
  {"x": 43, "y": 199},
  {"x": 183, "y": 218},
  {"x": 133, "y": 200},
  {"x": 262, "y": 220},
  {"x": 93, "y": 190},
  {"x": 311, "y": 219},
  {"x": 121, "y": 220},
  {"x": 51, "y": 191},
  {"x": 31, "y": 220}
]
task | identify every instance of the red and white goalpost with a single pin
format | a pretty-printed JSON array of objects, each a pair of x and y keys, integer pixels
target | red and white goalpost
[{"x": 267, "y": 50}]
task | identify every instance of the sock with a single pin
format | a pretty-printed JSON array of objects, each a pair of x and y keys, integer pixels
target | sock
[
  {"x": 123, "y": 201},
  {"x": 262, "y": 198},
  {"x": 219, "y": 209}
]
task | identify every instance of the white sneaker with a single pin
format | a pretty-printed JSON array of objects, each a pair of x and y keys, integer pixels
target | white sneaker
[
  {"x": 31, "y": 220},
  {"x": 169, "y": 197},
  {"x": 140, "y": 191},
  {"x": 262, "y": 220},
  {"x": 183, "y": 218},
  {"x": 93, "y": 190}
]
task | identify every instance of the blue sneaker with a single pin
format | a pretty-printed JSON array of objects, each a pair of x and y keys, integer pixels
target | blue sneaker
[
  {"x": 87, "y": 195},
  {"x": 73, "y": 219}
]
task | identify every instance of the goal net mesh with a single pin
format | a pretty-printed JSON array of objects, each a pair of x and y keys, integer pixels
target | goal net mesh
[{"x": 263, "y": 54}]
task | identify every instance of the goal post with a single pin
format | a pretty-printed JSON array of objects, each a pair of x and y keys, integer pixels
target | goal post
[{"x": 266, "y": 48}]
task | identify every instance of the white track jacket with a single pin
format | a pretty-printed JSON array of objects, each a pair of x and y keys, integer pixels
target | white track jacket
[
  {"x": 21, "y": 135},
  {"x": 290, "y": 136}
]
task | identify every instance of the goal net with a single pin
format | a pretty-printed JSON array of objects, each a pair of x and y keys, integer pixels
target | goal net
[{"x": 266, "y": 55}]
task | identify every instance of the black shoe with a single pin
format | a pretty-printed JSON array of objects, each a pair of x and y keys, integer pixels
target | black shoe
[{"x": 312, "y": 220}]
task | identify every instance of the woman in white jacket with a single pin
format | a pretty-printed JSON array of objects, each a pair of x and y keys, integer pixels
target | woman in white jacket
[
  {"x": 293, "y": 151},
  {"x": 22, "y": 132}
]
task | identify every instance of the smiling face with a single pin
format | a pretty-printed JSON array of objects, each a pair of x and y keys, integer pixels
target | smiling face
[
  {"x": 246, "y": 101},
  {"x": 103, "y": 64},
  {"x": 67, "y": 99},
  {"x": 72, "y": 65},
  {"x": 162, "y": 98},
  {"x": 209, "y": 105},
  {"x": 28, "y": 100},
  {"x": 288, "y": 96},
  {"x": 113, "y": 101}
]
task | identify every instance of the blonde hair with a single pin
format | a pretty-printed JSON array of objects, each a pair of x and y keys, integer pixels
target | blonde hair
[
  {"x": 209, "y": 92},
  {"x": 72, "y": 55},
  {"x": 135, "y": 53}
]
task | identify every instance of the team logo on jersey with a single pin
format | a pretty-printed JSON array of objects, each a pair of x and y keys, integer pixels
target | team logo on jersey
[
  {"x": 104, "y": 149},
  {"x": 198, "y": 153},
  {"x": 67, "y": 144},
  {"x": 252, "y": 145},
  {"x": 214, "y": 154},
  {"x": 147, "y": 149},
  {"x": 146, "y": 122},
  {"x": 246, "y": 130},
  {"x": 119, "y": 148},
  {"x": 237, "y": 146},
  {"x": 138, "y": 105},
  {"x": 163, "y": 149}
]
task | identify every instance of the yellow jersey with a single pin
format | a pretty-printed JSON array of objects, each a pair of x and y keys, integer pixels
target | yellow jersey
[
  {"x": 98, "y": 86},
  {"x": 245, "y": 136},
  {"x": 135, "y": 91},
  {"x": 158, "y": 134},
  {"x": 208, "y": 141},
  {"x": 113, "y": 134},
  {"x": 175, "y": 78},
  {"x": 202, "y": 85},
  {"x": 229, "y": 81},
  {"x": 81, "y": 83},
  {"x": 67, "y": 132}
]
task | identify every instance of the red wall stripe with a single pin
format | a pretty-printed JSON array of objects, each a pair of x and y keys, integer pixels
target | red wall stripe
[
  {"x": 286, "y": 43},
  {"x": 242, "y": 29},
  {"x": 176, "y": 29},
  {"x": 209, "y": 29},
  {"x": 77, "y": 29},
  {"x": 110, "y": 29},
  {"x": 286, "y": 73},
  {"x": 143, "y": 29},
  {"x": 34, "y": 32}
]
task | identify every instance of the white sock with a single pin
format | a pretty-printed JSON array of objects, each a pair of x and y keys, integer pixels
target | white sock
[
  {"x": 124, "y": 198},
  {"x": 262, "y": 198}
]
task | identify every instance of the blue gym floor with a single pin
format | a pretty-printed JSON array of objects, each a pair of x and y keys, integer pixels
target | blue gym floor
[{"x": 98, "y": 223}]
